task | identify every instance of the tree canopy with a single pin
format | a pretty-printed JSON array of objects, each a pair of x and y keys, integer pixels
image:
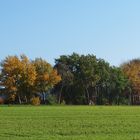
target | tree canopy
[
  {"x": 74, "y": 79},
  {"x": 24, "y": 78},
  {"x": 91, "y": 78}
]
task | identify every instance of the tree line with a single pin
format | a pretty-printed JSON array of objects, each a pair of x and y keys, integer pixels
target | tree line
[{"x": 74, "y": 79}]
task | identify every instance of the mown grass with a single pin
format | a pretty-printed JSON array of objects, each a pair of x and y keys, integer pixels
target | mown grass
[{"x": 69, "y": 123}]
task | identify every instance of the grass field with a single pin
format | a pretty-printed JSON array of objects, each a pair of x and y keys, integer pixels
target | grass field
[{"x": 69, "y": 123}]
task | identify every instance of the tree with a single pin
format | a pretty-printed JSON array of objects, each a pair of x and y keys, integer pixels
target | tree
[
  {"x": 18, "y": 75},
  {"x": 79, "y": 70},
  {"x": 132, "y": 70},
  {"x": 88, "y": 75},
  {"x": 102, "y": 87},
  {"x": 66, "y": 76},
  {"x": 46, "y": 78},
  {"x": 118, "y": 84}
]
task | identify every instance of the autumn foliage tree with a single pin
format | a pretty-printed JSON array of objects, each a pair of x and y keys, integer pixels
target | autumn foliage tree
[
  {"x": 46, "y": 77},
  {"x": 132, "y": 70},
  {"x": 23, "y": 77},
  {"x": 18, "y": 75}
]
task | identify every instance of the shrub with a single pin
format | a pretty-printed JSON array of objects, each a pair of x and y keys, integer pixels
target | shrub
[
  {"x": 35, "y": 101},
  {"x": 12, "y": 98}
]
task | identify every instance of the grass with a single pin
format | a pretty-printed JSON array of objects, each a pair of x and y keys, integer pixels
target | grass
[{"x": 69, "y": 123}]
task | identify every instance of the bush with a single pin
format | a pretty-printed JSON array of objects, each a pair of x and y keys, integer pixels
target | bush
[
  {"x": 35, "y": 101},
  {"x": 12, "y": 98}
]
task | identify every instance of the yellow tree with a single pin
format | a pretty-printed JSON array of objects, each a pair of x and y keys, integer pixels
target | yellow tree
[
  {"x": 28, "y": 77},
  {"x": 47, "y": 77},
  {"x": 132, "y": 71},
  {"x": 18, "y": 75}
]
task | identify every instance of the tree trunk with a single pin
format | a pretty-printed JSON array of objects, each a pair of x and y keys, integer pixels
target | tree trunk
[
  {"x": 130, "y": 98},
  {"x": 60, "y": 94},
  {"x": 19, "y": 99},
  {"x": 43, "y": 95},
  {"x": 26, "y": 101},
  {"x": 118, "y": 100},
  {"x": 100, "y": 95},
  {"x": 88, "y": 99}
]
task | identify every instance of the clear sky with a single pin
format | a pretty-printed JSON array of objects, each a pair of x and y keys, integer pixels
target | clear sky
[{"x": 110, "y": 29}]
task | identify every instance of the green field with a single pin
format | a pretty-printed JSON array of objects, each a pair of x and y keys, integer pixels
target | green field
[{"x": 69, "y": 123}]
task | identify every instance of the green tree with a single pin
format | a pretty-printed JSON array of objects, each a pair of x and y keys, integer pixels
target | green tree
[
  {"x": 66, "y": 76},
  {"x": 83, "y": 70},
  {"x": 118, "y": 85}
]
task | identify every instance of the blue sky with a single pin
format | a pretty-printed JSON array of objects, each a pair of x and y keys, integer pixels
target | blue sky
[{"x": 110, "y": 29}]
